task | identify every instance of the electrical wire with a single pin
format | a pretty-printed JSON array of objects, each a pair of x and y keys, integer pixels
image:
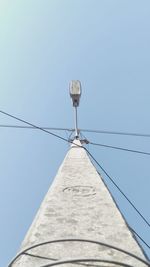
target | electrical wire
[
  {"x": 115, "y": 133},
  {"x": 70, "y": 130},
  {"x": 34, "y": 128},
  {"x": 121, "y": 148},
  {"x": 81, "y": 260},
  {"x": 139, "y": 237},
  {"x": 144, "y": 242},
  {"x": 38, "y": 256},
  {"x": 64, "y": 139},
  {"x": 111, "y": 179},
  {"x": 38, "y": 245}
]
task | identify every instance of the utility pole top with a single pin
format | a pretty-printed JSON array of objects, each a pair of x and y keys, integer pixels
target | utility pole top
[{"x": 79, "y": 222}]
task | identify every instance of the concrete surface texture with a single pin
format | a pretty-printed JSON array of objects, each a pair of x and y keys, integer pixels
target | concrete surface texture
[{"x": 79, "y": 206}]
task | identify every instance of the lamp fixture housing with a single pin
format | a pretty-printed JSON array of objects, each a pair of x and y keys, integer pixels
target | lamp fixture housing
[{"x": 75, "y": 92}]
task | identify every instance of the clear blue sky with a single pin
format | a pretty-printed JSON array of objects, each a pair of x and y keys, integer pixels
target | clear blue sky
[{"x": 43, "y": 45}]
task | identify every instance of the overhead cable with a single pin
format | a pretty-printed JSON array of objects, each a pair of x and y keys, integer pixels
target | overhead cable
[
  {"x": 27, "y": 250},
  {"x": 90, "y": 260},
  {"x": 115, "y": 133},
  {"x": 139, "y": 237},
  {"x": 83, "y": 130},
  {"x": 33, "y": 125},
  {"x": 34, "y": 128},
  {"x": 121, "y": 148},
  {"x": 71, "y": 130},
  {"x": 111, "y": 179}
]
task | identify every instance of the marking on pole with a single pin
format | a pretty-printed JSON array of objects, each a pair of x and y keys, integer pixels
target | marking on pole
[{"x": 83, "y": 191}]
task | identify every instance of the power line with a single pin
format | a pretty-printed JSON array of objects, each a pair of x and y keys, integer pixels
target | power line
[
  {"x": 70, "y": 130},
  {"x": 38, "y": 256},
  {"x": 35, "y": 128},
  {"x": 54, "y": 259},
  {"x": 83, "y": 130},
  {"x": 64, "y": 139},
  {"x": 115, "y": 133},
  {"x": 121, "y": 148},
  {"x": 59, "y": 241},
  {"x": 111, "y": 179},
  {"x": 91, "y": 261},
  {"x": 139, "y": 237}
]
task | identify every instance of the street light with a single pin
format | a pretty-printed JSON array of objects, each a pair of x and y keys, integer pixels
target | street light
[{"x": 75, "y": 93}]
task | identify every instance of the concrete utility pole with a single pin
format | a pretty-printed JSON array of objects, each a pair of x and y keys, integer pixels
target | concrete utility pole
[{"x": 78, "y": 220}]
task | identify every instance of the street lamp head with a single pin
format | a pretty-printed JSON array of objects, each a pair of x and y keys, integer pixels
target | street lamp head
[{"x": 75, "y": 92}]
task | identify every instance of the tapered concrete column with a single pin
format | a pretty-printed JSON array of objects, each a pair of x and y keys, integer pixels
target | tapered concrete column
[{"x": 79, "y": 206}]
